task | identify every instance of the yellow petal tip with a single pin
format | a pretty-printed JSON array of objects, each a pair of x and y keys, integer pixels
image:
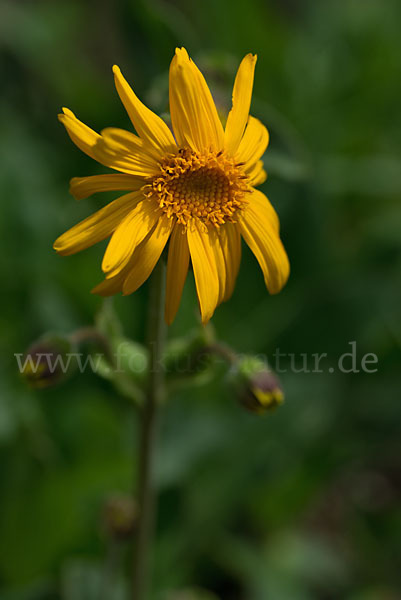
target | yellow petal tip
[
  {"x": 105, "y": 267},
  {"x": 182, "y": 55},
  {"x": 67, "y": 112}
]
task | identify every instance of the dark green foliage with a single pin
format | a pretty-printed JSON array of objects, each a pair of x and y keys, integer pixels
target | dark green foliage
[{"x": 303, "y": 503}]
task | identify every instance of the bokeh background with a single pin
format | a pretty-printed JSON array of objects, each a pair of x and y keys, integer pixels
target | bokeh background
[{"x": 302, "y": 503}]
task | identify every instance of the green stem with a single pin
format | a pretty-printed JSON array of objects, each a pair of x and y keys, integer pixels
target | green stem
[
  {"x": 154, "y": 396},
  {"x": 111, "y": 569}
]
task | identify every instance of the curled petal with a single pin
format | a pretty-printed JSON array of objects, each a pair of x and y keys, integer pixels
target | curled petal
[
  {"x": 253, "y": 144},
  {"x": 256, "y": 173}
]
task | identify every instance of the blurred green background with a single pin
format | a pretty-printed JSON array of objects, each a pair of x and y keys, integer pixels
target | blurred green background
[{"x": 302, "y": 503}]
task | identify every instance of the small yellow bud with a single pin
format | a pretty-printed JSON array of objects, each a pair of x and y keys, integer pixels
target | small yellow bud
[
  {"x": 46, "y": 362},
  {"x": 258, "y": 388}
]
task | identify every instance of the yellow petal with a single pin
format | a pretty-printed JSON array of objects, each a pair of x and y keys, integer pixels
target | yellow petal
[
  {"x": 128, "y": 235},
  {"x": 132, "y": 158},
  {"x": 113, "y": 285},
  {"x": 256, "y": 173},
  {"x": 242, "y": 94},
  {"x": 253, "y": 143},
  {"x": 98, "y": 226},
  {"x": 230, "y": 240},
  {"x": 259, "y": 230},
  {"x": 147, "y": 255},
  {"x": 83, "y": 187},
  {"x": 205, "y": 269},
  {"x": 123, "y": 159},
  {"x": 126, "y": 142},
  {"x": 148, "y": 125},
  {"x": 260, "y": 202},
  {"x": 216, "y": 239},
  {"x": 109, "y": 287},
  {"x": 193, "y": 111},
  {"x": 177, "y": 269},
  {"x": 83, "y": 136}
]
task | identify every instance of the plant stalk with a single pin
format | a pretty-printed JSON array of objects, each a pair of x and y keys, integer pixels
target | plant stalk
[{"x": 154, "y": 397}]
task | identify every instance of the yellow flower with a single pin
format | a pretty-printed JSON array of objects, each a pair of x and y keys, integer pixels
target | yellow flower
[{"x": 194, "y": 188}]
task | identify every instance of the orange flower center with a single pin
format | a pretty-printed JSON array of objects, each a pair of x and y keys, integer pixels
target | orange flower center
[{"x": 208, "y": 186}]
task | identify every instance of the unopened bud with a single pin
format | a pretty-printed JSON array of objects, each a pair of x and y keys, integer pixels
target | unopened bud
[
  {"x": 119, "y": 516},
  {"x": 47, "y": 362},
  {"x": 258, "y": 388}
]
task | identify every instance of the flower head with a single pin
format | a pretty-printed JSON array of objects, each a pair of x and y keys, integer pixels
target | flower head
[{"x": 194, "y": 190}]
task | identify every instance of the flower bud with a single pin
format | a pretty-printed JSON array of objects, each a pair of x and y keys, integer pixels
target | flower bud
[
  {"x": 258, "y": 388},
  {"x": 47, "y": 362},
  {"x": 119, "y": 516}
]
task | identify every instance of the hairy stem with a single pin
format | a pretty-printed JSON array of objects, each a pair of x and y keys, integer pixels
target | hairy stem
[{"x": 154, "y": 396}]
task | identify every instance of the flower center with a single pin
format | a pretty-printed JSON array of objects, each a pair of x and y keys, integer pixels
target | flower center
[{"x": 208, "y": 186}]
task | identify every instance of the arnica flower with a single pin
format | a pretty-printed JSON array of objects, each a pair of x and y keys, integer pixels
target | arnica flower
[{"x": 194, "y": 187}]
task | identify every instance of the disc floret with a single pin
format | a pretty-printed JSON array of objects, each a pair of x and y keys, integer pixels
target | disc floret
[{"x": 208, "y": 186}]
